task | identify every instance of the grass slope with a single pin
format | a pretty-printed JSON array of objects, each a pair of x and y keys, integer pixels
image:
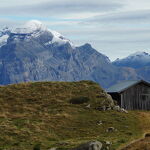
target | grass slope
[
  {"x": 40, "y": 113},
  {"x": 142, "y": 143}
]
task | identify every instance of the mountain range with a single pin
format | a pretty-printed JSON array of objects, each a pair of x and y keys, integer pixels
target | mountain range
[
  {"x": 136, "y": 60},
  {"x": 32, "y": 52},
  {"x": 139, "y": 61}
]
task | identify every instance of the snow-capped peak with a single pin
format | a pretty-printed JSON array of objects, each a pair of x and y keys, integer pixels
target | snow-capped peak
[
  {"x": 35, "y": 28},
  {"x": 139, "y": 53},
  {"x": 6, "y": 30},
  {"x": 142, "y": 56},
  {"x": 4, "y": 35},
  {"x": 59, "y": 39},
  {"x": 34, "y": 25},
  {"x": 30, "y": 27},
  {"x": 3, "y": 39},
  {"x": 135, "y": 60}
]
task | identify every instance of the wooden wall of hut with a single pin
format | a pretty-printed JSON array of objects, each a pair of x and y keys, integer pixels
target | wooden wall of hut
[{"x": 136, "y": 97}]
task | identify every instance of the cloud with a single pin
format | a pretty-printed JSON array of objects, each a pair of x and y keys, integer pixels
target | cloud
[
  {"x": 113, "y": 26},
  {"x": 140, "y": 16},
  {"x": 65, "y": 7},
  {"x": 8, "y": 22}
]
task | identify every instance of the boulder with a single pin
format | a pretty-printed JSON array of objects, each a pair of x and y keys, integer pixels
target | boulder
[
  {"x": 117, "y": 108},
  {"x": 111, "y": 101},
  {"x": 123, "y": 110},
  {"x": 108, "y": 108},
  {"x": 103, "y": 108},
  {"x": 93, "y": 145},
  {"x": 108, "y": 143}
]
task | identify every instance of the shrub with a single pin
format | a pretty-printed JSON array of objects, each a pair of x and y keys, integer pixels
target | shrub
[
  {"x": 79, "y": 100},
  {"x": 122, "y": 141},
  {"x": 37, "y": 147}
]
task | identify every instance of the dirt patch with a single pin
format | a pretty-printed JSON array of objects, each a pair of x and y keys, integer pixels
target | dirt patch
[{"x": 143, "y": 144}]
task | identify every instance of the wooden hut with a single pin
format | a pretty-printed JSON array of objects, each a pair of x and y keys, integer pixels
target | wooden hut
[{"x": 131, "y": 95}]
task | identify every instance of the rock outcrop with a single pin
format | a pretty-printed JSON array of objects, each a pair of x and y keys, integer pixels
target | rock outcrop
[{"x": 94, "y": 145}]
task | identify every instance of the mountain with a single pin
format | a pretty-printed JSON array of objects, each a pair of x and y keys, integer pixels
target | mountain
[
  {"x": 144, "y": 73},
  {"x": 139, "y": 61},
  {"x": 136, "y": 60},
  {"x": 32, "y": 52}
]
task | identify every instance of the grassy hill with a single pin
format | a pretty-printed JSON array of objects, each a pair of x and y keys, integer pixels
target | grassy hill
[{"x": 46, "y": 114}]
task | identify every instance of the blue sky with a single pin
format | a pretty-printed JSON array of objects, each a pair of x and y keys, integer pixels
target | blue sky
[{"x": 115, "y": 28}]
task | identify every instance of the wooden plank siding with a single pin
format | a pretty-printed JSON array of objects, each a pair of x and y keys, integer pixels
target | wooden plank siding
[{"x": 136, "y": 97}]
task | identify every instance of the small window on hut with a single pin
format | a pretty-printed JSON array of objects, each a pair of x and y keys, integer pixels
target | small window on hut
[{"x": 145, "y": 97}]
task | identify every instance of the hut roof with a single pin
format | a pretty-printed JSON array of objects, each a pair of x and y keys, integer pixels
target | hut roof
[{"x": 122, "y": 86}]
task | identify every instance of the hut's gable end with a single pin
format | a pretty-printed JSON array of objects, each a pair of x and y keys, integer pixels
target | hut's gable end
[
  {"x": 145, "y": 92},
  {"x": 136, "y": 97},
  {"x": 132, "y": 95}
]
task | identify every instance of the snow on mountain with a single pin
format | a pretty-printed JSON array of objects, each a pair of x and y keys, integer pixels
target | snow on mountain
[
  {"x": 3, "y": 40},
  {"x": 135, "y": 60},
  {"x": 35, "y": 28},
  {"x": 4, "y": 35},
  {"x": 30, "y": 27},
  {"x": 142, "y": 56},
  {"x": 138, "y": 56},
  {"x": 35, "y": 25}
]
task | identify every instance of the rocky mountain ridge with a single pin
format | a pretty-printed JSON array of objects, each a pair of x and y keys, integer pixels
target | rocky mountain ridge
[
  {"x": 136, "y": 60},
  {"x": 32, "y": 52},
  {"x": 139, "y": 61}
]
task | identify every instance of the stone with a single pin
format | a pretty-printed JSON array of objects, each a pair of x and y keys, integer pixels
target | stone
[
  {"x": 99, "y": 123},
  {"x": 108, "y": 143},
  {"x": 111, "y": 101},
  {"x": 108, "y": 108},
  {"x": 54, "y": 148},
  {"x": 93, "y": 145},
  {"x": 88, "y": 106},
  {"x": 111, "y": 129},
  {"x": 63, "y": 143},
  {"x": 117, "y": 108},
  {"x": 104, "y": 108},
  {"x": 107, "y": 148},
  {"x": 123, "y": 110}
]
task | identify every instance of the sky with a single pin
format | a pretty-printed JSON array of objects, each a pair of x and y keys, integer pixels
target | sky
[{"x": 115, "y": 28}]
